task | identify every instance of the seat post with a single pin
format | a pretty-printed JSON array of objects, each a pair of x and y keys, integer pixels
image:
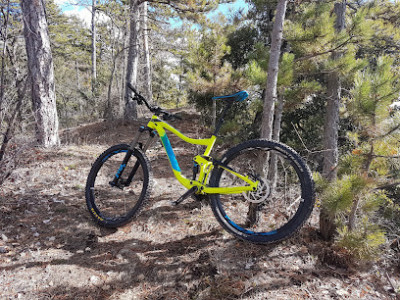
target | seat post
[{"x": 221, "y": 119}]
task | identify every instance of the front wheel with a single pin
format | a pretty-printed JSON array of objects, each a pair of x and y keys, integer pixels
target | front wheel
[
  {"x": 282, "y": 202},
  {"x": 116, "y": 191}
]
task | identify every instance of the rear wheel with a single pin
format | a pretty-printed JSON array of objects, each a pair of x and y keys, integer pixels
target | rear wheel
[
  {"x": 282, "y": 202},
  {"x": 113, "y": 203}
]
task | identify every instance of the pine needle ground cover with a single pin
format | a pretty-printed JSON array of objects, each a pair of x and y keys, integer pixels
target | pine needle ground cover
[{"x": 51, "y": 249}]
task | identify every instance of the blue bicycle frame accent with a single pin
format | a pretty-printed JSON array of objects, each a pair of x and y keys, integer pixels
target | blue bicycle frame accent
[
  {"x": 121, "y": 167},
  {"x": 170, "y": 153}
]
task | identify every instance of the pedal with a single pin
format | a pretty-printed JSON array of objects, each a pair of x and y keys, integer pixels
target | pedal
[{"x": 188, "y": 193}]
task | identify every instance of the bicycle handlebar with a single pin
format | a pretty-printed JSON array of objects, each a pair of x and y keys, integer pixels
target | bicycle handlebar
[
  {"x": 154, "y": 109},
  {"x": 139, "y": 98}
]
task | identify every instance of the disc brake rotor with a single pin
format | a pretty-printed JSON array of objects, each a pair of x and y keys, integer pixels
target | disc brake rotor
[{"x": 260, "y": 195}]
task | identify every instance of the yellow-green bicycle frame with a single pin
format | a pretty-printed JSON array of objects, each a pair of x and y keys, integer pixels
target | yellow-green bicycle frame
[{"x": 204, "y": 162}]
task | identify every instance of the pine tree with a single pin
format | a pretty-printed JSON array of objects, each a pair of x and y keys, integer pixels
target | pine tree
[
  {"x": 40, "y": 64},
  {"x": 94, "y": 48},
  {"x": 187, "y": 9},
  {"x": 210, "y": 75},
  {"x": 270, "y": 95}
]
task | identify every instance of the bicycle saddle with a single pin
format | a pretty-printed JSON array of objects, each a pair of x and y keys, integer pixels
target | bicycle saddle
[{"x": 240, "y": 96}]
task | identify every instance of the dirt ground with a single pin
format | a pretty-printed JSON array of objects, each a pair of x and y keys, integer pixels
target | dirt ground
[{"x": 51, "y": 249}]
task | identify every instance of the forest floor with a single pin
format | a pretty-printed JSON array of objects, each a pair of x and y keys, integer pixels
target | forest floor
[{"x": 51, "y": 249}]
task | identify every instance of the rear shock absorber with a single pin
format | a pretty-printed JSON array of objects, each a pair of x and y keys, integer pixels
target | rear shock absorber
[{"x": 195, "y": 170}]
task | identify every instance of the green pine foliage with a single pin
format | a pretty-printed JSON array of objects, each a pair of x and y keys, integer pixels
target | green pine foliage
[
  {"x": 339, "y": 196},
  {"x": 374, "y": 90},
  {"x": 367, "y": 138},
  {"x": 209, "y": 73},
  {"x": 354, "y": 199},
  {"x": 362, "y": 244}
]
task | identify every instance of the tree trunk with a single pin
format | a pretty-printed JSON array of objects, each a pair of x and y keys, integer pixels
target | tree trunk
[
  {"x": 121, "y": 106},
  {"x": 3, "y": 56},
  {"x": 40, "y": 64},
  {"x": 147, "y": 61},
  {"x": 270, "y": 95},
  {"x": 273, "y": 165},
  {"x": 180, "y": 86},
  {"x": 108, "y": 112},
  {"x": 109, "y": 109},
  {"x": 214, "y": 114},
  {"x": 11, "y": 121},
  {"x": 331, "y": 127},
  {"x": 78, "y": 80},
  {"x": 214, "y": 104},
  {"x": 94, "y": 50},
  {"x": 132, "y": 64}
]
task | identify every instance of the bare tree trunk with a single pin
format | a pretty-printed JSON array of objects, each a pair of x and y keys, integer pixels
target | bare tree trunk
[
  {"x": 214, "y": 105},
  {"x": 5, "y": 36},
  {"x": 270, "y": 95},
  {"x": 276, "y": 133},
  {"x": 214, "y": 114},
  {"x": 331, "y": 126},
  {"x": 147, "y": 61},
  {"x": 273, "y": 165},
  {"x": 20, "y": 85},
  {"x": 108, "y": 111},
  {"x": 133, "y": 57},
  {"x": 180, "y": 87},
  {"x": 121, "y": 106},
  {"x": 11, "y": 121},
  {"x": 78, "y": 80},
  {"x": 40, "y": 64},
  {"x": 94, "y": 50}
]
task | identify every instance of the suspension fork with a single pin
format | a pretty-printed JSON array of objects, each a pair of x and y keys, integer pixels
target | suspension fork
[
  {"x": 129, "y": 154},
  {"x": 149, "y": 142}
]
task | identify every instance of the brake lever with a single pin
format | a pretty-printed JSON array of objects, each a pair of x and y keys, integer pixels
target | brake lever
[
  {"x": 166, "y": 116},
  {"x": 156, "y": 110},
  {"x": 138, "y": 100}
]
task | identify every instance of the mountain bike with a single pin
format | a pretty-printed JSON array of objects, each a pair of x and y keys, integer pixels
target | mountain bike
[{"x": 260, "y": 191}]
